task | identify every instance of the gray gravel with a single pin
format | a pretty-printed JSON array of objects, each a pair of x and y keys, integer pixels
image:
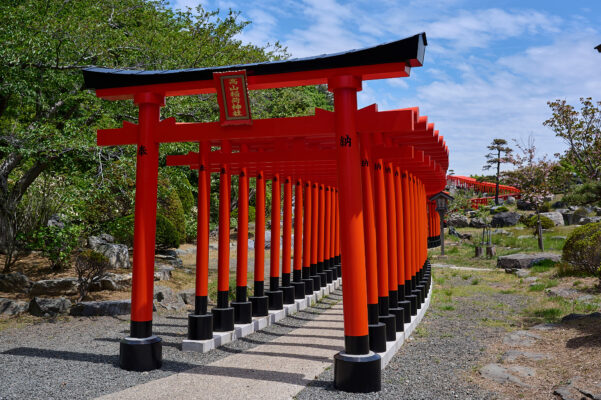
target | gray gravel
[
  {"x": 435, "y": 362},
  {"x": 78, "y": 358}
]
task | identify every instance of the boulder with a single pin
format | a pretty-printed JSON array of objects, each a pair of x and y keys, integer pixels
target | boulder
[
  {"x": 570, "y": 217},
  {"x": 520, "y": 261},
  {"x": 117, "y": 254},
  {"x": 55, "y": 221},
  {"x": 166, "y": 299},
  {"x": 458, "y": 221},
  {"x": 12, "y": 307},
  {"x": 164, "y": 271},
  {"x": 554, "y": 216},
  {"x": 507, "y": 218},
  {"x": 49, "y": 307},
  {"x": 251, "y": 244},
  {"x": 502, "y": 374},
  {"x": 14, "y": 282},
  {"x": 94, "y": 308},
  {"x": 112, "y": 282},
  {"x": 477, "y": 223},
  {"x": 510, "y": 200},
  {"x": 522, "y": 273},
  {"x": 588, "y": 220},
  {"x": 54, "y": 287},
  {"x": 524, "y": 205},
  {"x": 188, "y": 296},
  {"x": 171, "y": 259},
  {"x": 573, "y": 317}
]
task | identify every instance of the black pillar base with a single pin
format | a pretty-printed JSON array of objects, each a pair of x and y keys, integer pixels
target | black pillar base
[
  {"x": 200, "y": 327},
  {"x": 141, "y": 354},
  {"x": 413, "y": 299},
  {"x": 339, "y": 268},
  {"x": 422, "y": 289},
  {"x": 242, "y": 312},
  {"x": 289, "y": 294},
  {"x": 390, "y": 322},
  {"x": 276, "y": 299},
  {"x": 316, "y": 282},
  {"x": 399, "y": 318},
  {"x": 260, "y": 305},
  {"x": 357, "y": 373},
  {"x": 308, "y": 285},
  {"x": 418, "y": 294},
  {"x": 406, "y": 306},
  {"x": 334, "y": 272},
  {"x": 324, "y": 278},
  {"x": 377, "y": 337},
  {"x": 299, "y": 289},
  {"x": 329, "y": 275},
  {"x": 223, "y": 319}
]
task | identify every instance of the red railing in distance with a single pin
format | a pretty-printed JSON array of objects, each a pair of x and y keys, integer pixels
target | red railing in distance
[{"x": 465, "y": 182}]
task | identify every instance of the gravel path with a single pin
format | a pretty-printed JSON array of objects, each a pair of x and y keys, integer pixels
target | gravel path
[
  {"x": 78, "y": 359},
  {"x": 436, "y": 361}
]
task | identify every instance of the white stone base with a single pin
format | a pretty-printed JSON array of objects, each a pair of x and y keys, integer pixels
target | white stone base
[
  {"x": 258, "y": 323},
  {"x": 393, "y": 347}
]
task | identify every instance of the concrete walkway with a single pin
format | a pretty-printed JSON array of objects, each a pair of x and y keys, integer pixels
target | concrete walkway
[{"x": 278, "y": 369}]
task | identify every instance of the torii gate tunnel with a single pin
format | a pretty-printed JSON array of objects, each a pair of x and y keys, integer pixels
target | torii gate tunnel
[{"x": 360, "y": 181}]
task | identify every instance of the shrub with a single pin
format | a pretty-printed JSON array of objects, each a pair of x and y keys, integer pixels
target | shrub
[
  {"x": 186, "y": 198},
  {"x": 499, "y": 209},
  {"x": 583, "y": 248},
  {"x": 167, "y": 236},
  {"x": 545, "y": 207},
  {"x": 581, "y": 212},
  {"x": 56, "y": 243},
  {"x": 90, "y": 267},
  {"x": 170, "y": 206},
  {"x": 531, "y": 221}
]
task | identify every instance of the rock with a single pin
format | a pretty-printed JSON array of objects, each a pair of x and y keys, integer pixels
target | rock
[
  {"x": 520, "y": 261},
  {"x": 520, "y": 338},
  {"x": 589, "y": 220},
  {"x": 500, "y": 374},
  {"x": 510, "y": 200},
  {"x": 55, "y": 221},
  {"x": 213, "y": 246},
  {"x": 561, "y": 292},
  {"x": 54, "y": 287},
  {"x": 573, "y": 317},
  {"x": 530, "y": 278},
  {"x": 117, "y": 254},
  {"x": 183, "y": 252},
  {"x": 165, "y": 298},
  {"x": 251, "y": 244},
  {"x": 94, "y": 308},
  {"x": 164, "y": 271},
  {"x": 49, "y": 307},
  {"x": 12, "y": 307},
  {"x": 458, "y": 221},
  {"x": 558, "y": 204},
  {"x": 522, "y": 273},
  {"x": 112, "y": 282},
  {"x": 507, "y": 218},
  {"x": 188, "y": 296},
  {"x": 501, "y": 232},
  {"x": 554, "y": 216},
  {"x": 267, "y": 236},
  {"x": 568, "y": 392},
  {"x": 170, "y": 259},
  {"x": 544, "y": 327},
  {"x": 570, "y": 217},
  {"x": 14, "y": 282},
  {"x": 513, "y": 355},
  {"x": 524, "y": 206},
  {"x": 477, "y": 223}
]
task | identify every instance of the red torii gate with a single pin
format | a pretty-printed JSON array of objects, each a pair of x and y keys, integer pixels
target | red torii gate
[{"x": 343, "y": 73}]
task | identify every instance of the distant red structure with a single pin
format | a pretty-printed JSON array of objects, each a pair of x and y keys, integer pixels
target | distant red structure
[{"x": 465, "y": 182}]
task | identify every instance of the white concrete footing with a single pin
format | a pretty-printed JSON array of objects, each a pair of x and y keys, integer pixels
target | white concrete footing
[
  {"x": 258, "y": 323},
  {"x": 393, "y": 347}
]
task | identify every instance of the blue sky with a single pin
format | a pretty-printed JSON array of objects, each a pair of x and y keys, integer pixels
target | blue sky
[{"x": 490, "y": 66}]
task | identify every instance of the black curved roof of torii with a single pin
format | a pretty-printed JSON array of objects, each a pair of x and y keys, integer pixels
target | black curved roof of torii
[{"x": 410, "y": 50}]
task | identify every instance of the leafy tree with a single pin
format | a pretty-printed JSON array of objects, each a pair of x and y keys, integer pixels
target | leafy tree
[
  {"x": 581, "y": 130},
  {"x": 48, "y": 121},
  {"x": 500, "y": 154},
  {"x": 531, "y": 176}
]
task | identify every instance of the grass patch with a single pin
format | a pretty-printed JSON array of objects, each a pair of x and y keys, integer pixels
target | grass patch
[
  {"x": 543, "y": 266},
  {"x": 447, "y": 307},
  {"x": 475, "y": 281},
  {"x": 548, "y": 314}
]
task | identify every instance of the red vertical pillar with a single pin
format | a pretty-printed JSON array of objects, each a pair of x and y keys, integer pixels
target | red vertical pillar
[
  {"x": 287, "y": 289},
  {"x": 297, "y": 274},
  {"x": 321, "y": 235},
  {"x": 136, "y": 354},
  {"x": 377, "y": 329},
  {"x": 333, "y": 234},
  {"x": 314, "y": 235},
  {"x": 355, "y": 369},
  {"x": 306, "y": 271},
  {"x": 337, "y": 241},
  {"x": 200, "y": 323},
  {"x": 242, "y": 307},
  {"x": 259, "y": 301},
  {"x": 223, "y": 314},
  {"x": 274, "y": 294},
  {"x": 393, "y": 251},
  {"x": 409, "y": 241},
  {"x": 404, "y": 304},
  {"x": 327, "y": 235}
]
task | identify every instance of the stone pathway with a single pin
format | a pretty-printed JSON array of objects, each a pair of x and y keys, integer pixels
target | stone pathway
[{"x": 276, "y": 370}]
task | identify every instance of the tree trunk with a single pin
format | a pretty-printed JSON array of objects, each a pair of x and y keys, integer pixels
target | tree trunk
[
  {"x": 497, "y": 183},
  {"x": 539, "y": 228}
]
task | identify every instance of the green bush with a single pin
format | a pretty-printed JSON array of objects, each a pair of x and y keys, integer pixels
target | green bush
[
  {"x": 170, "y": 206},
  {"x": 583, "y": 248},
  {"x": 581, "y": 212},
  {"x": 191, "y": 226},
  {"x": 499, "y": 209},
  {"x": 56, "y": 243},
  {"x": 545, "y": 207},
  {"x": 186, "y": 198},
  {"x": 166, "y": 234},
  {"x": 532, "y": 221}
]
